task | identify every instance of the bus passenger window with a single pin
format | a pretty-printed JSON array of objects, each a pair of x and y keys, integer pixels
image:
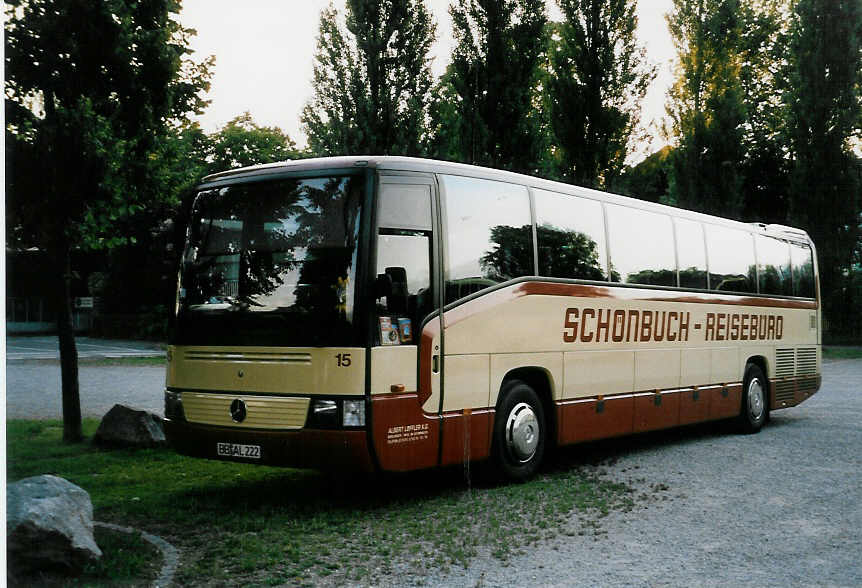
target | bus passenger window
[
  {"x": 691, "y": 254},
  {"x": 803, "y": 270},
  {"x": 731, "y": 260},
  {"x": 570, "y": 234},
  {"x": 641, "y": 245},
  {"x": 773, "y": 263},
  {"x": 489, "y": 234}
]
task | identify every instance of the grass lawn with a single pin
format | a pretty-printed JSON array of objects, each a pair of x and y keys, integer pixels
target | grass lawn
[
  {"x": 839, "y": 352},
  {"x": 246, "y": 524},
  {"x": 129, "y": 361}
]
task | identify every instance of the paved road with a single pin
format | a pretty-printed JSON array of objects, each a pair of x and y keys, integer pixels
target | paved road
[
  {"x": 33, "y": 378},
  {"x": 780, "y": 508},
  {"x": 18, "y": 348}
]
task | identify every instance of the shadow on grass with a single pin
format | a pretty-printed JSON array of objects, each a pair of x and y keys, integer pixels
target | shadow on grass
[{"x": 308, "y": 494}]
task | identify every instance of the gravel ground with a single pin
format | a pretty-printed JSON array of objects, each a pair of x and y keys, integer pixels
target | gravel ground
[
  {"x": 780, "y": 508},
  {"x": 33, "y": 389}
]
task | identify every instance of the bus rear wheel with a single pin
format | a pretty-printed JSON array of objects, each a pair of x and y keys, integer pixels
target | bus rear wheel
[
  {"x": 755, "y": 397},
  {"x": 519, "y": 431}
]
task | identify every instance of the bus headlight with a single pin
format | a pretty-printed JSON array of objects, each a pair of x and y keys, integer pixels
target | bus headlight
[
  {"x": 174, "y": 406},
  {"x": 354, "y": 413}
]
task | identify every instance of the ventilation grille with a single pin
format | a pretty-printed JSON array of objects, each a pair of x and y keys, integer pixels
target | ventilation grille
[
  {"x": 808, "y": 385},
  {"x": 784, "y": 392},
  {"x": 806, "y": 361},
  {"x": 245, "y": 356},
  {"x": 784, "y": 362},
  {"x": 263, "y": 412}
]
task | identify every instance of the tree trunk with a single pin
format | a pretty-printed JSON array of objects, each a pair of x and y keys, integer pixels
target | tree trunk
[{"x": 68, "y": 350}]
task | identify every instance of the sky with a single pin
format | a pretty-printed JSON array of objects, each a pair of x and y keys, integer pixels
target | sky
[{"x": 264, "y": 53}]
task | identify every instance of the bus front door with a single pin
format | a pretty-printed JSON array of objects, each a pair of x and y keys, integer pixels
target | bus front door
[{"x": 405, "y": 358}]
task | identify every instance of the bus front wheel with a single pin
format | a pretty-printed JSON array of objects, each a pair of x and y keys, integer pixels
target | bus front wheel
[
  {"x": 519, "y": 431},
  {"x": 755, "y": 397}
]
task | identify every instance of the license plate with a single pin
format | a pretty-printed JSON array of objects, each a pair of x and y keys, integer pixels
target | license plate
[{"x": 235, "y": 450}]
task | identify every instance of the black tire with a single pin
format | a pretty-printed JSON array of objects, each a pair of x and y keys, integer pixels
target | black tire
[
  {"x": 754, "y": 411},
  {"x": 520, "y": 432}
]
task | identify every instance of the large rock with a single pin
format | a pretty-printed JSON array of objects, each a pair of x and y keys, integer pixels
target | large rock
[
  {"x": 49, "y": 526},
  {"x": 127, "y": 427}
]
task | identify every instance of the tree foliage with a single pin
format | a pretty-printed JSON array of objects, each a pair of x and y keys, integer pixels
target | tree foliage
[
  {"x": 597, "y": 76},
  {"x": 90, "y": 89},
  {"x": 485, "y": 111},
  {"x": 763, "y": 51},
  {"x": 242, "y": 142},
  {"x": 372, "y": 79},
  {"x": 706, "y": 106},
  {"x": 824, "y": 110},
  {"x": 648, "y": 180}
]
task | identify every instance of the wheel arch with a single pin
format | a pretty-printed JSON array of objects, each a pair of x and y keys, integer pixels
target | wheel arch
[
  {"x": 542, "y": 383},
  {"x": 761, "y": 362}
]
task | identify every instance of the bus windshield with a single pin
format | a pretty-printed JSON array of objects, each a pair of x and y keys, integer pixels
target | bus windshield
[{"x": 271, "y": 263}]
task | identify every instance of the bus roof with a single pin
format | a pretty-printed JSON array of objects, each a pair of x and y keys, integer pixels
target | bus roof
[{"x": 416, "y": 164}]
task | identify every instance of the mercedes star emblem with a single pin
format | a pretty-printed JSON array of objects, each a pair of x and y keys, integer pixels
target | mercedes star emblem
[{"x": 237, "y": 410}]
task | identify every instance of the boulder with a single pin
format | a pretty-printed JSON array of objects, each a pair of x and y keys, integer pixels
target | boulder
[
  {"x": 127, "y": 427},
  {"x": 49, "y": 526}
]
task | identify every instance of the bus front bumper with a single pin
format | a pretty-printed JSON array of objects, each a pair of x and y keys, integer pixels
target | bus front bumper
[{"x": 318, "y": 449}]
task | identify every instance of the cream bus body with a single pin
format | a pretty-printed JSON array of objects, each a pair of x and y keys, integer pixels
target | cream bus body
[{"x": 491, "y": 315}]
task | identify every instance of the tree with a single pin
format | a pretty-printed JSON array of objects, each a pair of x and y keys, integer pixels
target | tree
[
  {"x": 486, "y": 112},
  {"x": 648, "y": 180},
  {"x": 372, "y": 80},
  {"x": 90, "y": 88},
  {"x": 597, "y": 77},
  {"x": 824, "y": 110},
  {"x": 706, "y": 107},
  {"x": 242, "y": 142},
  {"x": 763, "y": 52}
]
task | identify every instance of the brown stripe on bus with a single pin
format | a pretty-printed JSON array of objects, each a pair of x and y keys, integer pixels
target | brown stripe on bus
[
  {"x": 589, "y": 291},
  {"x": 466, "y": 435},
  {"x": 306, "y": 448},
  {"x": 405, "y": 437},
  {"x": 790, "y": 391}
]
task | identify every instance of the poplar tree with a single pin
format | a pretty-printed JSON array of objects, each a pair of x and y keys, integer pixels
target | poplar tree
[
  {"x": 597, "y": 76},
  {"x": 706, "y": 107},
  {"x": 765, "y": 169},
  {"x": 372, "y": 79},
  {"x": 486, "y": 110},
  {"x": 824, "y": 115}
]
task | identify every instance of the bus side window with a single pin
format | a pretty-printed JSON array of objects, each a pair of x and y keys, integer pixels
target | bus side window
[
  {"x": 489, "y": 234},
  {"x": 803, "y": 270},
  {"x": 731, "y": 260},
  {"x": 641, "y": 244},
  {"x": 773, "y": 262},
  {"x": 570, "y": 231},
  {"x": 691, "y": 254}
]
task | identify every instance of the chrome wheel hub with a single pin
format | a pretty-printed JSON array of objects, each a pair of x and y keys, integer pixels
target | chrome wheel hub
[
  {"x": 522, "y": 432},
  {"x": 756, "y": 401}
]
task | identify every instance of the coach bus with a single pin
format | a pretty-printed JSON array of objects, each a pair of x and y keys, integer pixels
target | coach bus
[{"x": 390, "y": 313}]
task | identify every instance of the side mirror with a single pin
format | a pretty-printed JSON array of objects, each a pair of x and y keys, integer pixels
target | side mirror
[{"x": 396, "y": 301}]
